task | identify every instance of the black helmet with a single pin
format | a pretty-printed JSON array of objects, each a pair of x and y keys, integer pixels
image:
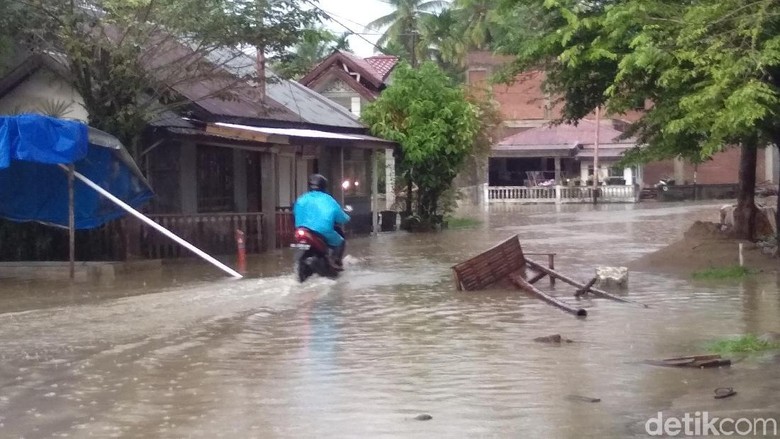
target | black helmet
[{"x": 317, "y": 183}]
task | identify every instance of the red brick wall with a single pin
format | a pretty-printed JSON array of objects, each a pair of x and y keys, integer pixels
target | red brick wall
[
  {"x": 722, "y": 169},
  {"x": 653, "y": 172}
]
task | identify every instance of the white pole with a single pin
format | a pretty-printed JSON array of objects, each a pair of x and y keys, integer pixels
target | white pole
[
  {"x": 153, "y": 224},
  {"x": 741, "y": 258},
  {"x": 71, "y": 224},
  {"x": 596, "y": 156}
]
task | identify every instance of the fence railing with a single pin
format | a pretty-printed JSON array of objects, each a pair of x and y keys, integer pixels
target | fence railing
[
  {"x": 561, "y": 194},
  {"x": 213, "y": 233}
]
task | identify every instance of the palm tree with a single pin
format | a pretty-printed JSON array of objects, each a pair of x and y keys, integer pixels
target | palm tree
[
  {"x": 481, "y": 21},
  {"x": 315, "y": 45},
  {"x": 404, "y": 23},
  {"x": 441, "y": 39}
]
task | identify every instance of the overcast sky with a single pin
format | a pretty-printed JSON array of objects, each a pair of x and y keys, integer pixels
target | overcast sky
[{"x": 356, "y": 14}]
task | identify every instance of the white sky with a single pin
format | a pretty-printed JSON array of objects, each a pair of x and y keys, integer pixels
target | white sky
[{"x": 355, "y": 14}]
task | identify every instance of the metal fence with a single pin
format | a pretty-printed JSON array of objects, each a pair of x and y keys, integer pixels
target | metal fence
[{"x": 561, "y": 194}]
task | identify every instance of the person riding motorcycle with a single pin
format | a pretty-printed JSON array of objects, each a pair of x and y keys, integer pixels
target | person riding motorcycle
[{"x": 319, "y": 212}]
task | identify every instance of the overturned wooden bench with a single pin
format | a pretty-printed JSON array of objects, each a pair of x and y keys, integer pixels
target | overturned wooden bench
[{"x": 505, "y": 265}]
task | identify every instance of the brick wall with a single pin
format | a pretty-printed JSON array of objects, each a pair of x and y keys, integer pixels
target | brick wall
[{"x": 722, "y": 169}]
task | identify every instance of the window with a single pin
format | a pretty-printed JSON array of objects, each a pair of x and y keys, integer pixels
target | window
[
  {"x": 215, "y": 179},
  {"x": 163, "y": 173}
]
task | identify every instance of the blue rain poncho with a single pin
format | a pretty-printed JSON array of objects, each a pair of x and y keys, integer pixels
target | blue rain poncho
[{"x": 319, "y": 212}]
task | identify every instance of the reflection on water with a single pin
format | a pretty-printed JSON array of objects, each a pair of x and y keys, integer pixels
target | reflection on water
[{"x": 185, "y": 353}]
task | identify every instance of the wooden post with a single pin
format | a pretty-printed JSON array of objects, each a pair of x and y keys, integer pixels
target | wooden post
[
  {"x": 595, "y": 291},
  {"x": 270, "y": 192},
  {"x": 551, "y": 264},
  {"x": 522, "y": 283},
  {"x": 375, "y": 192},
  {"x": 587, "y": 287},
  {"x": 71, "y": 223}
]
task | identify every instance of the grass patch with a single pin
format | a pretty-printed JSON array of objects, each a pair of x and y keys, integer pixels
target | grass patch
[
  {"x": 722, "y": 273},
  {"x": 462, "y": 223},
  {"x": 744, "y": 344}
]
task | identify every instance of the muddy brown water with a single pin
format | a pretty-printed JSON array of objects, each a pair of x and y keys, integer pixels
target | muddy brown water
[{"x": 184, "y": 353}]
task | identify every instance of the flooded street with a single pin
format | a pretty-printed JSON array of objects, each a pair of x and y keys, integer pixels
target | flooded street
[{"x": 186, "y": 353}]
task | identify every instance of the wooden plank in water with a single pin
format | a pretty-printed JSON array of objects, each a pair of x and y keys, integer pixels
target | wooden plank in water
[
  {"x": 522, "y": 283},
  {"x": 696, "y": 361},
  {"x": 595, "y": 291}
]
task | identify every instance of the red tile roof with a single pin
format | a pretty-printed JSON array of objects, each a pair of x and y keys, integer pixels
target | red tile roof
[
  {"x": 374, "y": 69},
  {"x": 383, "y": 64}
]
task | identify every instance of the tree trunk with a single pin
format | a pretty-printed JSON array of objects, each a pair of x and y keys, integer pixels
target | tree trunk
[
  {"x": 776, "y": 141},
  {"x": 409, "y": 189},
  {"x": 745, "y": 213}
]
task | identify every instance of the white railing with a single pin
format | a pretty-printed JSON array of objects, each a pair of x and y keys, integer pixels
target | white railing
[{"x": 561, "y": 194}]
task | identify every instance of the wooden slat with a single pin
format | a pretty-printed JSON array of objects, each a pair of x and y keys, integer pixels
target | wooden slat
[
  {"x": 522, "y": 283},
  {"x": 580, "y": 285}
]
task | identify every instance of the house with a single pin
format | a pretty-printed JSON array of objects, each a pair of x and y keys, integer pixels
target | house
[
  {"x": 560, "y": 153},
  {"x": 525, "y": 107},
  {"x": 217, "y": 165},
  {"x": 350, "y": 80},
  {"x": 353, "y": 82}
]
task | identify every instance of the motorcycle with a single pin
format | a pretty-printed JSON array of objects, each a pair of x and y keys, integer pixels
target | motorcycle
[
  {"x": 664, "y": 184},
  {"x": 313, "y": 256}
]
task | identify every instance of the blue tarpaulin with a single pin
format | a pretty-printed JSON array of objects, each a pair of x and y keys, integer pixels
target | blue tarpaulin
[{"x": 34, "y": 188}]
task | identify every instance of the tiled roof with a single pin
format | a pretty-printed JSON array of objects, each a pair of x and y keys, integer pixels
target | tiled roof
[
  {"x": 374, "y": 70},
  {"x": 365, "y": 65},
  {"x": 382, "y": 64}
]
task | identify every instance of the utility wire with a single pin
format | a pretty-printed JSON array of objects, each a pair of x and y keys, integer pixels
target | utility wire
[
  {"x": 330, "y": 15},
  {"x": 347, "y": 28}
]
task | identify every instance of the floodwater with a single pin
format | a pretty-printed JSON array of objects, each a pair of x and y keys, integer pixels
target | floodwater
[{"x": 184, "y": 353}]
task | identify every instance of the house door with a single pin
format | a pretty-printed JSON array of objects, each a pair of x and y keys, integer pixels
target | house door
[{"x": 254, "y": 193}]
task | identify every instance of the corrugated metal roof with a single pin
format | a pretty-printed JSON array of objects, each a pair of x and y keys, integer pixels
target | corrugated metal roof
[
  {"x": 308, "y": 105},
  {"x": 308, "y": 134},
  {"x": 565, "y": 134},
  {"x": 535, "y": 151},
  {"x": 610, "y": 151}
]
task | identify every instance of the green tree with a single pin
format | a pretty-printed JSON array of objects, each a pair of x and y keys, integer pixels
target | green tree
[
  {"x": 128, "y": 59},
  {"x": 435, "y": 125},
  {"x": 707, "y": 66},
  {"x": 403, "y": 25},
  {"x": 315, "y": 45},
  {"x": 480, "y": 22},
  {"x": 441, "y": 42}
]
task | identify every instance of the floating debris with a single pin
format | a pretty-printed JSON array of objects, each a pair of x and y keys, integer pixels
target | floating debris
[
  {"x": 580, "y": 398},
  {"x": 724, "y": 392},
  {"x": 697, "y": 361},
  {"x": 555, "y": 338}
]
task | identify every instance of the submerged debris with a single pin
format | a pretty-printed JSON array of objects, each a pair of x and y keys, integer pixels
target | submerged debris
[
  {"x": 423, "y": 417},
  {"x": 697, "y": 361},
  {"x": 580, "y": 398},
  {"x": 724, "y": 392},
  {"x": 555, "y": 338}
]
